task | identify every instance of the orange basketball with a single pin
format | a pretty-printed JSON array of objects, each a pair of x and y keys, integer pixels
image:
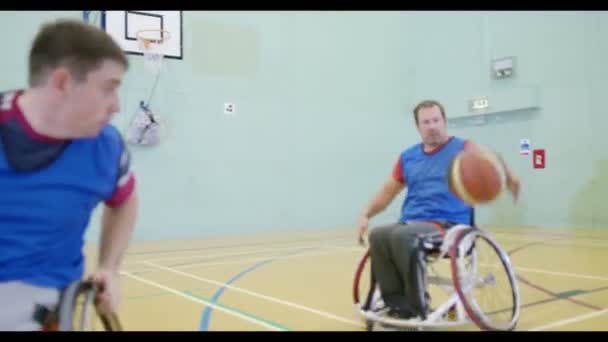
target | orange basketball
[{"x": 476, "y": 176}]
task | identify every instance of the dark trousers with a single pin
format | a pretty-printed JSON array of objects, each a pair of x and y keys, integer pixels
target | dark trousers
[{"x": 399, "y": 267}]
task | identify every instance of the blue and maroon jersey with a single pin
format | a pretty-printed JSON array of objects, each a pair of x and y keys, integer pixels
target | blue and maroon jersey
[
  {"x": 428, "y": 195},
  {"x": 48, "y": 191}
]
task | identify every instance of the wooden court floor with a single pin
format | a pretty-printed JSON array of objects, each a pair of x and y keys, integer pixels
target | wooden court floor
[{"x": 301, "y": 281}]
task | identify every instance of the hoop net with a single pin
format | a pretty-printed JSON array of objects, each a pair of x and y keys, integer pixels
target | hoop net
[{"x": 152, "y": 44}]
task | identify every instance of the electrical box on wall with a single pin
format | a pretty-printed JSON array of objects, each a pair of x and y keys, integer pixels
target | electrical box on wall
[
  {"x": 503, "y": 67},
  {"x": 538, "y": 158}
]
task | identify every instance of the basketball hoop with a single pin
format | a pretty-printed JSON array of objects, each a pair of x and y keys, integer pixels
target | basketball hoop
[{"x": 152, "y": 44}]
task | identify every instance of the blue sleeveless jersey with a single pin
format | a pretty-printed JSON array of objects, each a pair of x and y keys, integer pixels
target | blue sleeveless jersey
[
  {"x": 428, "y": 197},
  {"x": 49, "y": 190}
]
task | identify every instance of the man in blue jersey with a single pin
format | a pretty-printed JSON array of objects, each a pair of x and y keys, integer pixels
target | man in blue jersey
[
  {"x": 60, "y": 158},
  {"x": 429, "y": 205}
]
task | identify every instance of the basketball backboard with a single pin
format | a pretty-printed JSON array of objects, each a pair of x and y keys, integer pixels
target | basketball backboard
[{"x": 124, "y": 25}]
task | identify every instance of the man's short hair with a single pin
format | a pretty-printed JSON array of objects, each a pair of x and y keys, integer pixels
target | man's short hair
[
  {"x": 78, "y": 46},
  {"x": 428, "y": 104}
]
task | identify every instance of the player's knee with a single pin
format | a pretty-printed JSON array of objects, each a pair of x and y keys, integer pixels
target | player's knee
[
  {"x": 405, "y": 238},
  {"x": 374, "y": 236}
]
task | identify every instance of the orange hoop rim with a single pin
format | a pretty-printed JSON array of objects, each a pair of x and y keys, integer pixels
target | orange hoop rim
[{"x": 145, "y": 42}]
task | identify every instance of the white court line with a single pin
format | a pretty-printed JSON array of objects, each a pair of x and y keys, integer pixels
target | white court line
[
  {"x": 261, "y": 296},
  {"x": 549, "y": 235},
  {"x": 570, "y": 320},
  {"x": 210, "y": 244},
  {"x": 194, "y": 256},
  {"x": 519, "y": 238},
  {"x": 553, "y": 242},
  {"x": 201, "y": 301},
  {"x": 199, "y": 255},
  {"x": 242, "y": 261},
  {"x": 239, "y": 261},
  {"x": 361, "y": 249},
  {"x": 564, "y": 274},
  {"x": 566, "y": 240}
]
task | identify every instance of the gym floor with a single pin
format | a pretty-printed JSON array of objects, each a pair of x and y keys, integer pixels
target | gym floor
[{"x": 302, "y": 281}]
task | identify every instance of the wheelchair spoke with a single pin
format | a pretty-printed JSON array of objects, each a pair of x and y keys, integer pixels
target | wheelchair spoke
[{"x": 488, "y": 290}]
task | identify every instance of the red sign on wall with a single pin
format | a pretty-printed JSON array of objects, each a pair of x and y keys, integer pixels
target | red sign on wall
[{"x": 538, "y": 158}]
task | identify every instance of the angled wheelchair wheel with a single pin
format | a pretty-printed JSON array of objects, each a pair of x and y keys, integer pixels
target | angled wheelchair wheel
[
  {"x": 363, "y": 282},
  {"x": 484, "y": 280},
  {"x": 365, "y": 295},
  {"x": 77, "y": 311}
]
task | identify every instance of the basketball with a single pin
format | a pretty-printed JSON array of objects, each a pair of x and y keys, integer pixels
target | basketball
[{"x": 476, "y": 176}]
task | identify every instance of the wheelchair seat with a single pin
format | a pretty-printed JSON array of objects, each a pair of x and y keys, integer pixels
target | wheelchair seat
[{"x": 431, "y": 243}]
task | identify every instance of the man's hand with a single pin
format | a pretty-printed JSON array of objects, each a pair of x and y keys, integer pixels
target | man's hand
[
  {"x": 362, "y": 225},
  {"x": 108, "y": 297},
  {"x": 513, "y": 185},
  {"x": 381, "y": 200}
]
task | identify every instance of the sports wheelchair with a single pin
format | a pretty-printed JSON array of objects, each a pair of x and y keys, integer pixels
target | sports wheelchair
[
  {"x": 76, "y": 311},
  {"x": 481, "y": 287}
]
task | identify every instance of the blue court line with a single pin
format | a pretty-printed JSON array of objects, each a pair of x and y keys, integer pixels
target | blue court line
[
  {"x": 216, "y": 296},
  {"x": 207, "y": 313},
  {"x": 244, "y": 313}
]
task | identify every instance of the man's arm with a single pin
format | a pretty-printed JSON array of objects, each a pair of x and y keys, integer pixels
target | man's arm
[
  {"x": 512, "y": 180},
  {"x": 117, "y": 225},
  {"x": 383, "y": 197},
  {"x": 118, "y": 218},
  {"x": 391, "y": 187}
]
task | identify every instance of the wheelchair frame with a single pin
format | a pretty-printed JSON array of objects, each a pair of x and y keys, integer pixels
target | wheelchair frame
[
  {"x": 62, "y": 317},
  {"x": 452, "y": 247}
]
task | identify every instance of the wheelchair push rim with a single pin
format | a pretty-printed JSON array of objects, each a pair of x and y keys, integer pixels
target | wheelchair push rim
[
  {"x": 77, "y": 309},
  {"x": 477, "y": 289}
]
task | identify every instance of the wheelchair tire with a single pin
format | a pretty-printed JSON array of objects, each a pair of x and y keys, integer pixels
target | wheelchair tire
[
  {"x": 77, "y": 298},
  {"x": 361, "y": 266},
  {"x": 484, "y": 319}
]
